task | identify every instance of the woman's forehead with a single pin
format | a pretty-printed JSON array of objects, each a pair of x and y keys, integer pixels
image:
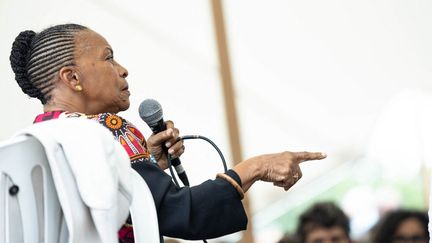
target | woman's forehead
[{"x": 90, "y": 41}]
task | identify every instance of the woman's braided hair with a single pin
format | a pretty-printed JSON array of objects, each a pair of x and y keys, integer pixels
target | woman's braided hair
[{"x": 37, "y": 57}]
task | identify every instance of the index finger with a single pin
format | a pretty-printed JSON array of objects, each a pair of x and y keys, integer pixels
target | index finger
[{"x": 305, "y": 156}]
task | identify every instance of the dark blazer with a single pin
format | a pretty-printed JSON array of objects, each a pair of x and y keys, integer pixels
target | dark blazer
[{"x": 211, "y": 209}]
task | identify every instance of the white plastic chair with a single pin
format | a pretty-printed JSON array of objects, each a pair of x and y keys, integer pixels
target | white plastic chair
[
  {"x": 143, "y": 212},
  {"x": 29, "y": 208},
  {"x": 35, "y": 214}
]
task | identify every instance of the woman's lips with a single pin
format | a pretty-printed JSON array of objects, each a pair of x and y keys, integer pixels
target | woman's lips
[{"x": 126, "y": 90}]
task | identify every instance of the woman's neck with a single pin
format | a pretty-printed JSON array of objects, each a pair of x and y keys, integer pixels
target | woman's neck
[
  {"x": 63, "y": 99},
  {"x": 62, "y": 106}
]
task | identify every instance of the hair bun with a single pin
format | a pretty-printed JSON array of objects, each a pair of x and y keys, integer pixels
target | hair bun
[{"x": 19, "y": 58}]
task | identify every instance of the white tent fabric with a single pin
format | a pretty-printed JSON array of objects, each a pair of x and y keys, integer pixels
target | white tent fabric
[{"x": 308, "y": 75}]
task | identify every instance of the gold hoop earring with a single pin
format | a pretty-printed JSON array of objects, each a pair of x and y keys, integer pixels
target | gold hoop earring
[{"x": 78, "y": 87}]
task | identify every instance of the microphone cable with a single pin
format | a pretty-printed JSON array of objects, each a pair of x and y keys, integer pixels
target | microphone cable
[
  {"x": 209, "y": 141},
  {"x": 186, "y": 137}
]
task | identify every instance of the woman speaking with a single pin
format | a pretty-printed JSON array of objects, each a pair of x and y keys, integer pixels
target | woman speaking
[{"x": 71, "y": 69}]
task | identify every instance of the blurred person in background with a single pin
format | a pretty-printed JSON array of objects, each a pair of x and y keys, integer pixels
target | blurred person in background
[
  {"x": 402, "y": 226},
  {"x": 289, "y": 238},
  {"x": 323, "y": 222}
]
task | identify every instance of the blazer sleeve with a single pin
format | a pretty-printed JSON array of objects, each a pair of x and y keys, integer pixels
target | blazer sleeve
[{"x": 211, "y": 209}]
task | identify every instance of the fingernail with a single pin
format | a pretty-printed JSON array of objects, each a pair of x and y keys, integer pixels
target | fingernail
[
  {"x": 170, "y": 151},
  {"x": 167, "y": 144},
  {"x": 324, "y": 155}
]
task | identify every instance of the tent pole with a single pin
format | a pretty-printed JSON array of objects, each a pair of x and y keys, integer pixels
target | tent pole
[{"x": 228, "y": 92}]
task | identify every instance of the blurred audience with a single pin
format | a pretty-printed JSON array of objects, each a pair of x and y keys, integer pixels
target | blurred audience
[
  {"x": 402, "y": 226},
  {"x": 289, "y": 238},
  {"x": 323, "y": 222}
]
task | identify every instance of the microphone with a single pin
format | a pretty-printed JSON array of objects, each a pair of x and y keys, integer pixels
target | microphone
[{"x": 151, "y": 112}]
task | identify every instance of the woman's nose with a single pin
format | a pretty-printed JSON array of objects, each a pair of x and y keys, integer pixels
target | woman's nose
[{"x": 123, "y": 71}]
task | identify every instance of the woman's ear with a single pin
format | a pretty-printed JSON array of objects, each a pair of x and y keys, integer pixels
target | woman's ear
[{"x": 70, "y": 78}]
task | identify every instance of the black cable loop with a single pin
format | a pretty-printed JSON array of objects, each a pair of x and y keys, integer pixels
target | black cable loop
[
  {"x": 186, "y": 137},
  {"x": 209, "y": 141},
  {"x": 169, "y": 158}
]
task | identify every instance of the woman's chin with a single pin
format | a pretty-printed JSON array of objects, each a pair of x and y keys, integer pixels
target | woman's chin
[{"x": 125, "y": 105}]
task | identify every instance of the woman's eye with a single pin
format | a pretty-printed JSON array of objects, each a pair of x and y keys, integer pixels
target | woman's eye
[{"x": 110, "y": 58}]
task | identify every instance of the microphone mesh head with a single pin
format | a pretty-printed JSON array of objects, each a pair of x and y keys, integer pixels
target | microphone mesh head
[{"x": 150, "y": 111}]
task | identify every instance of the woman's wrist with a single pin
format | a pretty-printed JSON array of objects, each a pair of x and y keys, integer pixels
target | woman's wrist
[
  {"x": 249, "y": 172},
  {"x": 233, "y": 182}
]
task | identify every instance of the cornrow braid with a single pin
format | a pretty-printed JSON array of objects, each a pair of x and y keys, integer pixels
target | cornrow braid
[{"x": 36, "y": 58}]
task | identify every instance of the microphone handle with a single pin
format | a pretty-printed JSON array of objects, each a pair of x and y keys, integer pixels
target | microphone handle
[
  {"x": 161, "y": 126},
  {"x": 180, "y": 171}
]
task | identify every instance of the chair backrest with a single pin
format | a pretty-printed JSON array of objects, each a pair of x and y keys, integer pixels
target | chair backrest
[
  {"x": 143, "y": 212},
  {"x": 29, "y": 208}
]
